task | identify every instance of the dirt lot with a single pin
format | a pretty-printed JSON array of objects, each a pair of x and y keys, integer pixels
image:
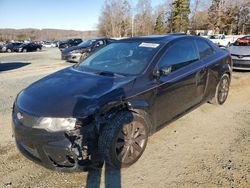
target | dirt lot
[{"x": 209, "y": 147}]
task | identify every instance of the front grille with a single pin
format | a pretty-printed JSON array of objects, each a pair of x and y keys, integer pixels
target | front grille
[
  {"x": 241, "y": 63},
  {"x": 242, "y": 56}
]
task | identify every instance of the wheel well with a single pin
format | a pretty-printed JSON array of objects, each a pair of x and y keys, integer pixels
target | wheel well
[
  {"x": 229, "y": 74},
  {"x": 146, "y": 117},
  {"x": 111, "y": 112}
]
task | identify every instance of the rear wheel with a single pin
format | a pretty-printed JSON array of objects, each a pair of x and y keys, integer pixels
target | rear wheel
[
  {"x": 8, "y": 50},
  {"x": 222, "y": 90},
  {"x": 24, "y": 50},
  {"x": 123, "y": 140}
]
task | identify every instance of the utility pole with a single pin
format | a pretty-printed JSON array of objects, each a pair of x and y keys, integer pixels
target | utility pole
[{"x": 132, "y": 25}]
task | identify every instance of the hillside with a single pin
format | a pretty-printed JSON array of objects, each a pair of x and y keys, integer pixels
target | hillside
[{"x": 43, "y": 34}]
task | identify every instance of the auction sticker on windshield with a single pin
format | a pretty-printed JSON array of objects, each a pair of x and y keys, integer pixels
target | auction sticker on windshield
[{"x": 149, "y": 45}]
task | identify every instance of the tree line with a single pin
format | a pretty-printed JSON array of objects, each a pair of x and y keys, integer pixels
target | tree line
[
  {"x": 43, "y": 34},
  {"x": 120, "y": 18}
]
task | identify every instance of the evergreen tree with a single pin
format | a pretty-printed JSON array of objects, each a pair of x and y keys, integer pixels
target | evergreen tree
[
  {"x": 159, "y": 24},
  {"x": 179, "y": 15}
]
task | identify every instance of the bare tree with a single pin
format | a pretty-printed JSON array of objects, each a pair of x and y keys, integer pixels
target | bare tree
[
  {"x": 143, "y": 18},
  {"x": 115, "y": 19}
]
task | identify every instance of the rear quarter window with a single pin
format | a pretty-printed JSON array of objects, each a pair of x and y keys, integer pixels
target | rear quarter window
[{"x": 204, "y": 49}]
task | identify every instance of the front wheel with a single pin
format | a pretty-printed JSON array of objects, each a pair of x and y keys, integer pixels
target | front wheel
[
  {"x": 123, "y": 140},
  {"x": 222, "y": 90},
  {"x": 24, "y": 50}
]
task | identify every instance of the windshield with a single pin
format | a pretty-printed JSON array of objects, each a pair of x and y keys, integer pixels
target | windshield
[
  {"x": 86, "y": 43},
  {"x": 245, "y": 41},
  {"x": 120, "y": 58}
]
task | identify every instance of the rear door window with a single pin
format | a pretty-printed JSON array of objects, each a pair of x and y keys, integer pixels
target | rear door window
[
  {"x": 179, "y": 54},
  {"x": 205, "y": 50}
]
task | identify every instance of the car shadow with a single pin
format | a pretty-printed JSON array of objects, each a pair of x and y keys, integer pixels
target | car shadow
[
  {"x": 12, "y": 65},
  {"x": 242, "y": 71},
  {"x": 112, "y": 177}
]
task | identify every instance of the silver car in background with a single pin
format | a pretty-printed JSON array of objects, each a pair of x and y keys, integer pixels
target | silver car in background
[{"x": 240, "y": 53}]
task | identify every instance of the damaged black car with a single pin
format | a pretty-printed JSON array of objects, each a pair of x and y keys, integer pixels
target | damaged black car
[{"x": 105, "y": 108}]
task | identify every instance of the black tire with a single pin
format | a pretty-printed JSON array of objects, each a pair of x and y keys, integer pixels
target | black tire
[
  {"x": 25, "y": 50},
  {"x": 222, "y": 90},
  {"x": 123, "y": 140},
  {"x": 9, "y": 50}
]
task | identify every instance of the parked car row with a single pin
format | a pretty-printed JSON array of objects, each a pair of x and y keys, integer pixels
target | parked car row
[
  {"x": 20, "y": 47},
  {"x": 239, "y": 49}
]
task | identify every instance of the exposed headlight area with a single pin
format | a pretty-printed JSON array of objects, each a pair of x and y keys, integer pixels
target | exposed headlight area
[
  {"x": 55, "y": 124},
  {"x": 49, "y": 124},
  {"x": 55, "y": 143}
]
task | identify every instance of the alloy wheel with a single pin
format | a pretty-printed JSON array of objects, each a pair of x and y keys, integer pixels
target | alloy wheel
[
  {"x": 130, "y": 142},
  {"x": 223, "y": 90}
]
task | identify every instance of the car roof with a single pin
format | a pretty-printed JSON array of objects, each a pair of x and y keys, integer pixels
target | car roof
[
  {"x": 102, "y": 38},
  {"x": 155, "y": 38}
]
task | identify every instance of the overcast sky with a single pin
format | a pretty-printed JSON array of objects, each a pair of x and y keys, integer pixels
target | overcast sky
[{"x": 59, "y": 14}]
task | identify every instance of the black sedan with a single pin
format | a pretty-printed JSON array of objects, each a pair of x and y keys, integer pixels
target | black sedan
[
  {"x": 9, "y": 47},
  {"x": 28, "y": 47},
  {"x": 105, "y": 108},
  {"x": 81, "y": 51}
]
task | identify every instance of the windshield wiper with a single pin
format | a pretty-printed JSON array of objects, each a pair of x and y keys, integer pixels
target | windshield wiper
[{"x": 106, "y": 73}]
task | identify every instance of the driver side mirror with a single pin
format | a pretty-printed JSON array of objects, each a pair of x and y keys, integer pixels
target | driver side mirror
[
  {"x": 166, "y": 70},
  {"x": 162, "y": 72}
]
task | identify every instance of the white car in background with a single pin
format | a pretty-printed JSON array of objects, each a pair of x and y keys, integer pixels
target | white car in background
[
  {"x": 48, "y": 44},
  {"x": 221, "y": 40}
]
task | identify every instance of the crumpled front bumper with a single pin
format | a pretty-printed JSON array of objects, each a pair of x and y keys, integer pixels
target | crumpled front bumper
[{"x": 55, "y": 151}]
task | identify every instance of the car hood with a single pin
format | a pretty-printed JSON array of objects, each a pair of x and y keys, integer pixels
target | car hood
[
  {"x": 69, "y": 49},
  {"x": 70, "y": 93},
  {"x": 239, "y": 50}
]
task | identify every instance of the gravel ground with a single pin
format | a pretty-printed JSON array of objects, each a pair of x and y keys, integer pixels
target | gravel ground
[{"x": 209, "y": 147}]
